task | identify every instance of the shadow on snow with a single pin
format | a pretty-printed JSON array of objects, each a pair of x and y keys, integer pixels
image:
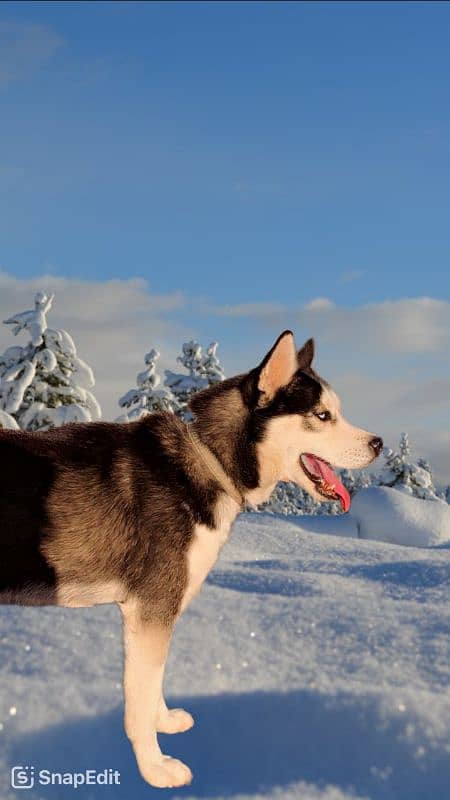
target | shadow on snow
[{"x": 250, "y": 743}]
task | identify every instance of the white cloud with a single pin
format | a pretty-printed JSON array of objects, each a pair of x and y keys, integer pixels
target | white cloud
[
  {"x": 409, "y": 325},
  {"x": 319, "y": 304},
  {"x": 25, "y": 48}
]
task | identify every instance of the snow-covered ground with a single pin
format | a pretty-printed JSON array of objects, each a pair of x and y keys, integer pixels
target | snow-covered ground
[
  {"x": 391, "y": 515},
  {"x": 317, "y": 668}
]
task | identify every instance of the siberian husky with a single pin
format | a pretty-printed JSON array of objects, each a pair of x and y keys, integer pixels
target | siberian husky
[{"x": 137, "y": 513}]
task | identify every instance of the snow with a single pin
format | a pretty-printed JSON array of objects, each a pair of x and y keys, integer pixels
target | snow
[
  {"x": 7, "y": 421},
  {"x": 317, "y": 668},
  {"x": 14, "y": 383},
  {"x": 35, "y": 320},
  {"x": 394, "y": 516}
]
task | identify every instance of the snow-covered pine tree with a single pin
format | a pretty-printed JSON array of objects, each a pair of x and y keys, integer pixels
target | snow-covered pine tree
[
  {"x": 355, "y": 481},
  {"x": 202, "y": 370},
  {"x": 45, "y": 384},
  {"x": 349, "y": 480},
  {"x": 285, "y": 499},
  {"x": 403, "y": 473},
  {"x": 150, "y": 395},
  {"x": 212, "y": 368},
  {"x": 395, "y": 471},
  {"x": 422, "y": 476}
]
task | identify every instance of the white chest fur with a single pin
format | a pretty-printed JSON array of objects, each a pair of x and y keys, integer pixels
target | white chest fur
[{"x": 206, "y": 545}]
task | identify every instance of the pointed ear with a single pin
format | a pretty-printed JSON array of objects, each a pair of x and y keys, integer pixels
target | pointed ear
[
  {"x": 305, "y": 355},
  {"x": 278, "y": 367}
]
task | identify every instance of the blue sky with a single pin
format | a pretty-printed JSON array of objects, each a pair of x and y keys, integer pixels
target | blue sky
[
  {"x": 259, "y": 165},
  {"x": 216, "y": 145}
]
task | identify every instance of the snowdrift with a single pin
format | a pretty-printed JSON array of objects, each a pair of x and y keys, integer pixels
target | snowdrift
[
  {"x": 386, "y": 515},
  {"x": 390, "y": 515}
]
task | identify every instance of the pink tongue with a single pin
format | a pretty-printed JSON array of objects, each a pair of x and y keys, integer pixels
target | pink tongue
[{"x": 323, "y": 470}]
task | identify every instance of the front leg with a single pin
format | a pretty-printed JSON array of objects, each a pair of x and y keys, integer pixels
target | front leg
[{"x": 146, "y": 647}]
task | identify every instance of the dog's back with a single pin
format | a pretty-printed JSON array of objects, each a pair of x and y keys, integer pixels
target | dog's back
[{"x": 96, "y": 504}]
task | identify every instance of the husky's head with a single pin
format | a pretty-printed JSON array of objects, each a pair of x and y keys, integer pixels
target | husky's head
[{"x": 281, "y": 421}]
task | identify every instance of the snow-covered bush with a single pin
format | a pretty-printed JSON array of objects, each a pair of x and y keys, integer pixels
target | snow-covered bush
[
  {"x": 202, "y": 370},
  {"x": 288, "y": 498},
  {"x": 402, "y": 472},
  {"x": 149, "y": 394},
  {"x": 44, "y": 384}
]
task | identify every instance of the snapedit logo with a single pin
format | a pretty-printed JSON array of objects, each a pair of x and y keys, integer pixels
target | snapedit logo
[
  {"x": 22, "y": 777},
  {"x": 25, "y": 777}
]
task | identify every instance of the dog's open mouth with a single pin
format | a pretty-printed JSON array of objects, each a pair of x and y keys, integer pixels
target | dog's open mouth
[{"x": 325, "y": 479}]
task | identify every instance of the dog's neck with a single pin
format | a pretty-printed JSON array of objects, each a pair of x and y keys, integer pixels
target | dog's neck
[
  {"x": 237, "y": 458},
  {"x": 214, "y": 467}
]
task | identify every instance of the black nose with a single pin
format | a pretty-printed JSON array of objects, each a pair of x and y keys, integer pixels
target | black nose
[{"x": 377, "y": 445}]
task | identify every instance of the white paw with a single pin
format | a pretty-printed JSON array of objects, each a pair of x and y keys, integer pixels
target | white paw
[
  {"x": 166, "y": 773},
  {"x": 175, "y": 720}
]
